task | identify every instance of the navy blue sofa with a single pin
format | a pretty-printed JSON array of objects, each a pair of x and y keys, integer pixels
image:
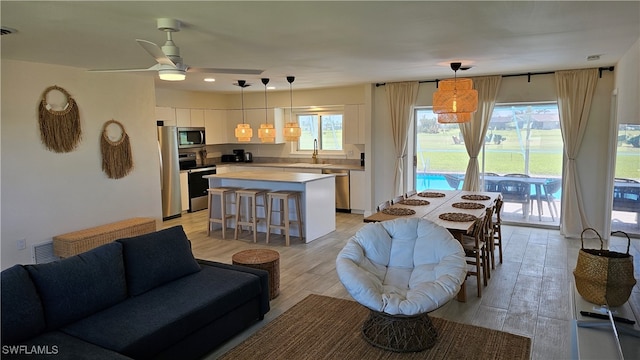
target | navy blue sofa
[{"x": 144, "y": 297}]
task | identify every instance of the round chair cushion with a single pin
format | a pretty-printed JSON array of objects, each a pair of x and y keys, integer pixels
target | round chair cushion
[{"x": 402, "y": 266}]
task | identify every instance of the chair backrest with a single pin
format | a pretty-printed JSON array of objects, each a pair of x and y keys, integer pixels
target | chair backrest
[
  {"x": 453, "y": 181},
  {"x": 518, "y": 175},
  {"x": 498, "y": 210},
  {"x": 490, "y": 185},
  {"x": 514, "y": 191},
  {"x": 383, "y": 205},
  {"x": 397, "y": 199},
  {"x": 552, "y": 186}
]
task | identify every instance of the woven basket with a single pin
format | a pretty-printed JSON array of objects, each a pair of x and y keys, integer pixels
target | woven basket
[{"x": 604, "y": 277}]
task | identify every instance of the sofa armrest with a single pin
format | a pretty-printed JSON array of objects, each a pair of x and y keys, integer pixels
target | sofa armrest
[{"x": 262, "y": 275}]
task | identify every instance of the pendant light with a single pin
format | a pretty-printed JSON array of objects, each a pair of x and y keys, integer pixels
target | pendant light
[
  {"x": 243, "y": 131},
  {"x": 267, "y": 133},
  {"x": 455, "y": 99},
  {"x": 292, "y": 129}
]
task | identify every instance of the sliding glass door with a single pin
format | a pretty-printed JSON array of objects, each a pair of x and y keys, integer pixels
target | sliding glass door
[
  {"x": 521, "y": 157},
  {"x": 626, "y": 190}
]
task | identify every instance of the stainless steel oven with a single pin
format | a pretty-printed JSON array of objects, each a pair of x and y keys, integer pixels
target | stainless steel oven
[{"x": 198, "y": 187}]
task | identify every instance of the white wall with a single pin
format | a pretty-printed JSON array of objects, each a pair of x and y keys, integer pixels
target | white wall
[
  {"x": 593, "y": 155},
  {"x": 45, "y": 193},
  {"x": 628, "y": 85}
]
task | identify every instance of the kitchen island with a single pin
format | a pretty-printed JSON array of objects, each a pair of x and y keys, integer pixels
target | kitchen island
[{"x": 317, "y": 200}]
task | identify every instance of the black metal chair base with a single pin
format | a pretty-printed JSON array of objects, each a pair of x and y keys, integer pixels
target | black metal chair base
[{"x": 399, "y": 333}]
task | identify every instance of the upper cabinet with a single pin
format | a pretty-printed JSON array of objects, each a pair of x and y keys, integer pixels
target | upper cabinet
[
  {"x": 190, "y": 117},
  {"x": 215, "y": 124},
  {"x": 353, "y": 124},
  {"x": 166, "y": 114}
]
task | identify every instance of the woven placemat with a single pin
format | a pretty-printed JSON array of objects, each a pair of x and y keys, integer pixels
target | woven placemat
[
  {"x": 467, "y": 205},
  {"x": 459, "y": 217},
  {"x": 398, "y": 211},
  {"x": 414, "y": 202},
  {"x": 431, "y": 194},
  {"x": 476, "y": 197}
]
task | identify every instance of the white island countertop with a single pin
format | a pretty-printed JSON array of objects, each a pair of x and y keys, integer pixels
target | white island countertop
[{"x": 278, "y": 176}]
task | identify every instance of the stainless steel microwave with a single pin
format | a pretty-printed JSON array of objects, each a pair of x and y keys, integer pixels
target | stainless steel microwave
[{"x": 191, "y": 137}]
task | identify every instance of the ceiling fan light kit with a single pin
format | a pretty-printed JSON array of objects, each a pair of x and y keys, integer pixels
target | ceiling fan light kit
[
  {"x": 266, "y": 133},
  {"x": 243, "y": 131},
  {"x": 455, "y": 99},
  {"x": 172, "y": 74},
  {"x": 291, "y": 129}
]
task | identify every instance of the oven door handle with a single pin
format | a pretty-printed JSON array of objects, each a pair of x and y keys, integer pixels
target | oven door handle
[{"x": 203, "y": 169}]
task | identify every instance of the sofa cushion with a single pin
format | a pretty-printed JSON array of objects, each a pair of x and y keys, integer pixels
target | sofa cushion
[
  {"x": 156, "y": 258},
  {"x": 76, "y": 287},
  {"x": 145, "y": 325},
  {"x": 22, "y": 313},
  {"x": 59, "y": 346}
]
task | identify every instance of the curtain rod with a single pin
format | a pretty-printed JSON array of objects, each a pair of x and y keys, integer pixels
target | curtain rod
[{"x": 528, "y": 75}]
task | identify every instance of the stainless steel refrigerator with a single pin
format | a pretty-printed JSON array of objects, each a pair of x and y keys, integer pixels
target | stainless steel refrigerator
[{"x": 169, "y": 172}]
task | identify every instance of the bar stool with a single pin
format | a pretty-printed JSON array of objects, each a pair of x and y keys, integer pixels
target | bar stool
[
  {"x": 223, "y": 216},
  {"x": 284, "y": 222},
  {"x": 251, "y": 220}
]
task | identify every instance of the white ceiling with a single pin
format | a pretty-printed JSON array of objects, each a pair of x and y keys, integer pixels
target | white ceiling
[{"x": 325, "y": 44}]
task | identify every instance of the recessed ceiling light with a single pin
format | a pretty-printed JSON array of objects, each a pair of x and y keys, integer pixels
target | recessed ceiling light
[
  {"x": 593, "y": 57},
  {"x": 209, "y": 79}
]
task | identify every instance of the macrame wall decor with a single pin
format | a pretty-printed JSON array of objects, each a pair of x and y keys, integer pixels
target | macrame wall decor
[
  {"x": 117, "y": 159},
  {"x": 59, "y": 129}
]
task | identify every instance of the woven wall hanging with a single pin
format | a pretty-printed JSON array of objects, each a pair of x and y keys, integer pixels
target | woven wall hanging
[
  {"x": 60, "y": 130},
  {"x": 117, "y": 159}
]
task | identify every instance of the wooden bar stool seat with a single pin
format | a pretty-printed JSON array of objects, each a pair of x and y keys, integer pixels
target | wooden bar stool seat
[
  {"x": 251, "y": 217},
  {"x": 223, "y": 215},
  {"x": 284, "y": 220}
]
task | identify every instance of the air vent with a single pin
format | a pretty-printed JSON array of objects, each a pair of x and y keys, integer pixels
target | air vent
[
  {"x": 43, "y": 253},
  {"x": 6, "y": 31}
]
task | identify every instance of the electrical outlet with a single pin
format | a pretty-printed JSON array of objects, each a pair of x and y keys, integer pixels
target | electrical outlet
[{"x": 21, "y": 244}]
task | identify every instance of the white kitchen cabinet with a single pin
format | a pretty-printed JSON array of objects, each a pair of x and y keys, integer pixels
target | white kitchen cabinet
[
  {"x": 190, "y": 117},
  {"x": 166, "y": 114},
  {"x": 353, "y": 124},
  {"x": 357, "y": 195},
  {"x": 255, "y": 117},
  {"x": 184, "y": 190},
  {"x": 215, "y": 125}
]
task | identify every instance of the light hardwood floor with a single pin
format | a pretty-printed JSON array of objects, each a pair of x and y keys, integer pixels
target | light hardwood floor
[{"x": 528, "y": 294}]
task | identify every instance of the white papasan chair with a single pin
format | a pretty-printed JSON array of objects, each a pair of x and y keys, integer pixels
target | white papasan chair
[{"x": 401, "y": 270}]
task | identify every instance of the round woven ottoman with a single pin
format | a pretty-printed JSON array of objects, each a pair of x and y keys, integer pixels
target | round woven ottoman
[{"x": 263, "y": 259}]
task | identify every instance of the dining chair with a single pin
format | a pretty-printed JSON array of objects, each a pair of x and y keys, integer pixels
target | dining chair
[
  {"x": 497, "y": 233},
  {"x": 383, "y": 205},
  {"x": 488, "y": 236},
  {"x": 550, "y": 188},
  {"x": 453, "y": 181},
  {"x": 515, "y": 191},
  {"x": 490, "y": 185},
  {"x": 474, "y": 246}
]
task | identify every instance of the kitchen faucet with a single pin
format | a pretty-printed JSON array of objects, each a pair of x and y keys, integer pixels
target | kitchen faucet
[{"x": 314, "y": 156}]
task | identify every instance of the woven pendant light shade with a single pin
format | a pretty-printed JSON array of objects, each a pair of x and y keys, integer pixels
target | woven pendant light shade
[
  {"x": 244, "y": 132},
  {"x": 292, "y": 131},
  {"x": 455, "y": 96},
  {"x": 267, "y": 133},
  {"x": 448, "y": 118}
]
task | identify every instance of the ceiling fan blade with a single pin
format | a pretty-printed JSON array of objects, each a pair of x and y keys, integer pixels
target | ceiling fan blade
[
  {"x": 225, "y": 71},
  {"x": 155, "y": 67},
  {"x": 155, "y": 51}
]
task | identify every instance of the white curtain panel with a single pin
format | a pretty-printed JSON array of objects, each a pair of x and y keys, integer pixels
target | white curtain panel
[
  {"x": 401, "y": 98},
  {"x": 474, "y": 131},
  {"x": 574, "y": 89}
]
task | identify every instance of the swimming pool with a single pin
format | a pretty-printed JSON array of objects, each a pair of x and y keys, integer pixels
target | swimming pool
[{"x": 435, "y": 181}]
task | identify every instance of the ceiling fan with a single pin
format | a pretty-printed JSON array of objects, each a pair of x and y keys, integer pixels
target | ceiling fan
[{"x": 170, "y": 65}]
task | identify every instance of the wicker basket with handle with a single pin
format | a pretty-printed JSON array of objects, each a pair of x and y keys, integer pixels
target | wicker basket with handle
[{"x": 604, "y": 277}]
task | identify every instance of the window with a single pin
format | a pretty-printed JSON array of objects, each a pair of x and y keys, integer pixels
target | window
[
  {"x": 626, "y": 191},
  {"x": 325, "y": 126},
  {"x": 522, "y": 140}
]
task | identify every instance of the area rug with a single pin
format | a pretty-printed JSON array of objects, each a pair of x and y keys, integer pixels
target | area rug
[{"x": 321, "y": 327}]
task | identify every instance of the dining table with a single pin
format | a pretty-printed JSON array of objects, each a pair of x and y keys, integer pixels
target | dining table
[{"x": 447, "y": 208}]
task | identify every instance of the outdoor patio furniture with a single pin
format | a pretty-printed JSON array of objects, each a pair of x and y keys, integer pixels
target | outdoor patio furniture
[{"x": 515, "y": 191}]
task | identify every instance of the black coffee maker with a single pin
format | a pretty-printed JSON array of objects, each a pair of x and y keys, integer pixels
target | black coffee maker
[{"x": 239, "y": 155}]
